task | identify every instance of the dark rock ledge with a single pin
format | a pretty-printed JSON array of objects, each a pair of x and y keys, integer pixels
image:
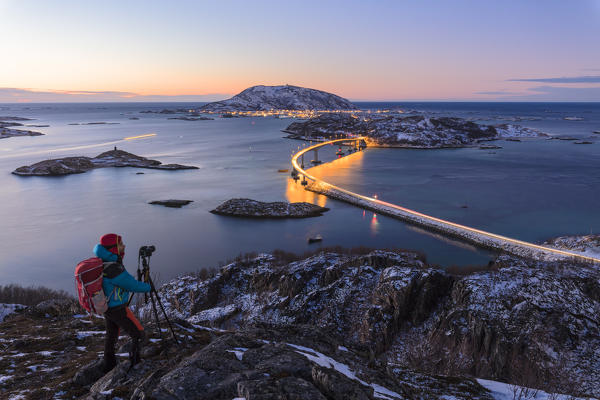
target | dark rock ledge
[
  {"x": 172, "y": 203},
  {"x": 256, "y": 209},
  {"x": 79, "y": 165}
]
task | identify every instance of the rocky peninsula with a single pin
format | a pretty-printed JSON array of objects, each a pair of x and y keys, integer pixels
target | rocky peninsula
[
  {"x": 358, "y": 324},
  {"x": 8, "y": 123},
  {"x": 406, "y": 131},
  {"x": 284, "y": 97},
  {"x": 248, "y": 208},
  {"x": 79, "y": 165}
]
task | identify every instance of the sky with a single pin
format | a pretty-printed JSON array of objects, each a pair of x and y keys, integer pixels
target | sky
[{"x": 402, "y": 50}]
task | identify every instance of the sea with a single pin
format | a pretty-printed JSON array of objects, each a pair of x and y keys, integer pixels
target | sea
[{"x": 531, "y": 190}]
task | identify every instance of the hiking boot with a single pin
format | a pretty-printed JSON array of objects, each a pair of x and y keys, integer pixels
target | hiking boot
[
  {"x": 108, "y": 365},
  {"x": 134, "y": 353}
]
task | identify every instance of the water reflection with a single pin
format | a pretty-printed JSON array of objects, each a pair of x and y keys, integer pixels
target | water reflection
[
  {"x": 295, "y": 192},
  {"x": 342, "y": 167},
  {"x": 374, "y": 224},
  {"x": 338, "y": 168}
]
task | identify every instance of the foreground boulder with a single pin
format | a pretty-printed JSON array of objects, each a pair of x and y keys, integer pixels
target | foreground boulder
[
  {"x": 257, "y": 209},
  {"x": 79, "y": 165}
]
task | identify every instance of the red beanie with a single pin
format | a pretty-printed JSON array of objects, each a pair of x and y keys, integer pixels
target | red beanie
[{"x": 110, "y": 241}]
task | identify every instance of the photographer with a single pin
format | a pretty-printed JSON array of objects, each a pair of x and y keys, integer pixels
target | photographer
[{"x": 117, "y": 284}]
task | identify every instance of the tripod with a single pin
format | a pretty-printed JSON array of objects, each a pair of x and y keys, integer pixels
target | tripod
[{"x": 144, "y": 275}]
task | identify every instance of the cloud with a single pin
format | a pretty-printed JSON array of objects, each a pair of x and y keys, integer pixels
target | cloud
[
  {"x": 499, "y": 93},
  {"x": 20, "y": 95},
  {"x": 551, "y": 93},
  {"x": 573, "y": 79}
]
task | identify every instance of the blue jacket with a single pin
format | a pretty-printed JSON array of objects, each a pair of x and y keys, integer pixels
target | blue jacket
[{"x": 116, "y": 281}]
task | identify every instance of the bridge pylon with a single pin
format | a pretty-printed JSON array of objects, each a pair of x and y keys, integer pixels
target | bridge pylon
[{"x": 316, "y": 161}]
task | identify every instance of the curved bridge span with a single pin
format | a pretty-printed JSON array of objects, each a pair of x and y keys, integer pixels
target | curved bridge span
[{"x": 477, "y": 237}]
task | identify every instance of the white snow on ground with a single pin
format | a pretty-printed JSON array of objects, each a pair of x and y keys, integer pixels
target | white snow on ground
[
  {"x": 84, "y": 334},
  {"x": 238, "y": 351},
  {"x": 505, "y": 391},
  {"x": 213, "y": 313},
  {"x": 7, "y": 309},
  {"x": 4, "y": 378},
  {"x": 328, "y": 362}
]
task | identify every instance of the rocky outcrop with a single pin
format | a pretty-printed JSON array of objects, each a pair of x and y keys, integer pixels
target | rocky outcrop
[
  {"x": 285, "y": 97},
  {"x": 50, "y": 356},
  {"x": 410, "y": 131},
  {"x": 377, "y": 325},
  {"x": 257, "y": 209},
  {"x": 589, "y": 244},
  {"x": 172, "y": 203},
  {"x": 534, "y": 324},
  {"x": 78, "y": 165}
]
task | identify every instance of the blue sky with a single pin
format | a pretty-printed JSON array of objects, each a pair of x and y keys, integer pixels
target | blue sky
[{"x": 364, "y": 50}]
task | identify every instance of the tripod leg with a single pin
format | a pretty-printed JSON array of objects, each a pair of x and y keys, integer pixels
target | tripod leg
[
  {"x": 156, "y": 314},
  {"x": 163, "y": 310}
]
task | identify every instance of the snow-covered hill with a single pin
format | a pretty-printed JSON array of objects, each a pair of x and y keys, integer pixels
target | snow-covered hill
[{"x": 285, "y": 97}]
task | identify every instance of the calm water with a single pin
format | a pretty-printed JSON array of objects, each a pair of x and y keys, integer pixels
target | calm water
[{"x": 530, "y": 190}]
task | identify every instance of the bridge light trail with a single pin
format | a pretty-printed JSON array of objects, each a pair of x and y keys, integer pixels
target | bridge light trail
[{"x": 429, "y": 220}]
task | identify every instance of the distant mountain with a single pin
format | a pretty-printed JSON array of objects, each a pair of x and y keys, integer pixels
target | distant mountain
[{"x": 285, "y": 97}]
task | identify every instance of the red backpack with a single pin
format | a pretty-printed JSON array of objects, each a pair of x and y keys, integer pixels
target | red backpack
[{"x": 88, "y": 277}]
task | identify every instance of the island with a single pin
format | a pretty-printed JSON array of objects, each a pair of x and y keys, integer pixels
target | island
[
  {"x": 256, "y": 209},
  {"x": 78, "y": 165},
  {"x": 415, "y": 131},
  {"x": 7, "y": 125},
  {"x": 172, "y": 203},
  {"x": 192, "y": 118},
  {"x": 283, "y": 97}
]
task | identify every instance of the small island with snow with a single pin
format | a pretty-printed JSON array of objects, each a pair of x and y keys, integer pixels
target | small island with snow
[
  {"x": 79, "y": 165},
  {"x": 248, "y": 208}
]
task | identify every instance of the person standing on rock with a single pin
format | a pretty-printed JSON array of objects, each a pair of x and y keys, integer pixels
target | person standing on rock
[{"x": 117, "y": 284}]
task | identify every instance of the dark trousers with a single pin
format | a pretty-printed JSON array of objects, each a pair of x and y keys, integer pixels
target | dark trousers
[{"x": 121, "y": 317}]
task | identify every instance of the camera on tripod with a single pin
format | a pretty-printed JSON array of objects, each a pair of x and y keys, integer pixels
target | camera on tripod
[{"x": 146, "y": 251}]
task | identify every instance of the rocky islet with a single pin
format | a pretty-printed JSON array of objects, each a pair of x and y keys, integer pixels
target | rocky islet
[
  {"x": 248, "y": 208},
  {"x": 78, "y": 165}
]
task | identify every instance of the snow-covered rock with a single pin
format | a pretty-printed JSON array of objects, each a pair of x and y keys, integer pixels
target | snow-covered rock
[
  {"x": 258, "y": 209},
  {"x": 533, "y": 324},
  {"x": 588, "y": 245},
  {"x": 284, "y": 97}
]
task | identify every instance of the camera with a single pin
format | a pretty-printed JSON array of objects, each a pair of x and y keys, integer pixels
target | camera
[{"x": 146, "y": 251}]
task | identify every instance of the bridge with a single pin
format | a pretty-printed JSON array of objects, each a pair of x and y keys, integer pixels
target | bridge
[{"x": 474, "y": 236}]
